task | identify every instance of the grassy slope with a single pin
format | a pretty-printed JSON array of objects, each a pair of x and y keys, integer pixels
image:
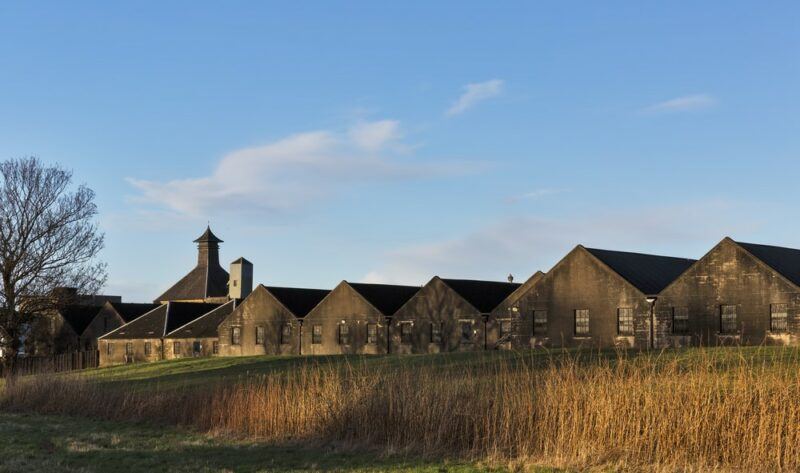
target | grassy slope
[{"x": 63, "y": 444}]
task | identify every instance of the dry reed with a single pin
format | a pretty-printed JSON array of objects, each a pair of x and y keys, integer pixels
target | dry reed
[{"x": 713, "y": 411}]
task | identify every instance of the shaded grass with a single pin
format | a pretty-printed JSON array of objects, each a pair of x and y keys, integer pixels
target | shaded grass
[{"x": 68, "y": 444}]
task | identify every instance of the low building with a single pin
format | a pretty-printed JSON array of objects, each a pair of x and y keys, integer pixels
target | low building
[
  {"x": 197, "y": 338},
  {"x": 738, "y": 293},
  {"x": 111, "y": 316},
  {"x": 595, "y": 298},
  {"x": 59, "y": 330},
  {"x": 501, "y": 326},
  {"x": 353, "y": 318},
  {"x": 447, "y": 315},
  {"x": 142, "y": 339},
  {"x": 268, "y": 321}
]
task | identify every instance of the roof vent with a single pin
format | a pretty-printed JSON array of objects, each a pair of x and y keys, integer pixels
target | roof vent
[{"x": 510, "y": 278}]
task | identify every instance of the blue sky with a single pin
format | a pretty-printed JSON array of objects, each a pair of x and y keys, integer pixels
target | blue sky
[{"x": 388, "y": 143}]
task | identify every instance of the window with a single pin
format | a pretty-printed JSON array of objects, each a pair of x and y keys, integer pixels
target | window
[
  {"x": 110, "y": 349},
  {"x": 406, "y": 334},
  {"x": 505, "y": 327},
  {"x": 372, "y": 334},
  {"x": 540, "y": 322},
  {"x": 436, "y": 332},
  {"x": 286, "y": 334},
  {"x": 148, "y": 348},
  {"x": 582, "y": 322},
  {"x": 680, "y": 320},
  {"x": 215, "y": 347},
  {"x": 727, "y": 319},
  {"x": 316, "y": 334},
  {"x": 176, "y": 348},
  {"x": 344, "y": 334},
  {"x": 466, "y": 331},
  {"x": 779, "y": 317},
  {"x": 625, "y": 321},
  {"x": 236, "y": 335},
  {"x": 197, "y": 348},
  {"x": 129, "y": 348},
  {"x": 259, "y": 335}
]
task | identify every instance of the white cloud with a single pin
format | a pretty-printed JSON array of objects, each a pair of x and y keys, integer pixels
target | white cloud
[
  {"x": 475, "y": 93},
  {"x": 686, "y": 103},
  {"x": 290, "y": 172},
  {"x": 535, "y": 194},
  {"x": 523, "y": 245}
]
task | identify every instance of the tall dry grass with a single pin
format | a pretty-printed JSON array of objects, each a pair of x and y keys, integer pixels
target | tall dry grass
[{"x": 714, "y": 411}]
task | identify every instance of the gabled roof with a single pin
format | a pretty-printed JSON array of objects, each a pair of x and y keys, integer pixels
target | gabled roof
[
  {"x": 785, "y": 261},
  {"x": 161, "y": 320},
  {"x": 201, "y": 282},
  {"x": 79, "y": 316},
  {"x": 523, "y": 288},
  {"x": 130, "y": 310},
  {"x": 650, "y": 274},
  {"x": 299, "y": 301},
  {"x": 387, "y": 298},
  {"x": 241, "y": 259},
  {"x": 206, "y": 325},
  {"x": 483, "y": 295}
]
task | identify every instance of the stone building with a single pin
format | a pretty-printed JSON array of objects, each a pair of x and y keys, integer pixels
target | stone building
[
  {"x": 447, "y": 315},
  {"x": 595, "y": 298},
  {"x": 501, "y": 325},
  {"x": 142, "y": 338},
  {"x": 111, "y": 316},
  {"x": 59, "y": 330},
  {"x": 268, "y": 321},
  {"x": 738, "y": 293},
  {"x": 207, "y": 282},
  {"x": 353, "y": 318},
  {"x": 200, "y": 337}
]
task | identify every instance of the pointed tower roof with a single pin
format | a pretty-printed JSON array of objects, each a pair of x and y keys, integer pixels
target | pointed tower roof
[{"x": 208, "y": 237}]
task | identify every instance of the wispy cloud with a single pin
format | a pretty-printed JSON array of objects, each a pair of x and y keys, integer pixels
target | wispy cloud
[
  {"x": 523, "y": 245},
  {"x": 535, "y": 194},
  {"x": 474, "y": 94},
  {"x": 290, "y": 172},
  {"x": 685, "y": 103}
]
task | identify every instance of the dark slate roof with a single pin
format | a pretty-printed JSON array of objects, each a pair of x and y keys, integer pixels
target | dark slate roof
[
  {"x": 785, "y": 261},
  {"x": 298, "y": 300},
  {"x": 129, "y": 310},
  {"x": 483, "y": 295},
  {"x": 206, "y": 325},
  {"x": 241, "y": 259},
  {"x": 208, "y": 237},
  {"x": 79, "y": 316},
  {"x": 162, "y": 320},
  {"x": 387, "y": 298},
  {"x": 648, "y": 273},
  {"x": 201, "y": 282},
  {"x": 149, "y": 325}
]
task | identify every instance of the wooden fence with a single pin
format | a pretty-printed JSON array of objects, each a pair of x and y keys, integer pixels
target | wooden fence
[{"x": 79, "y": 360}]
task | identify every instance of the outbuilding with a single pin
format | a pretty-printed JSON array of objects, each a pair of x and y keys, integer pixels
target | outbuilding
[
  {"x": 199, "y": 337},
  {"x": 111, "y": 316}
]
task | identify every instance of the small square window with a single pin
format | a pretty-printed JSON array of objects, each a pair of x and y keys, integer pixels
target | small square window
[
  {"x": 344, "y": 334},
  {"x": 129, "y": 348},
  {"x": 436, "y": 332},
  {"x": 316, "y": 334},
  {"x": 286, "y": 334},
  {"x": 110, "y": 349},
  {"x": 582, "y": 322},
  {"x": 680, "y": 320},
  {"x": 176, "y": 348},
  {"x": 625, "y": 321},
  {"x": 236, "y": 335},
  {"x": 466, "y": 331},
  {"x": 406, "y": 333},
  {"x": 505, "y": 328},
  {"x": 197, "y": 348},
  {"x": 148, "y": 348},
  {"x": 728, "y": 322},
  {"x": 215, "y": 347},
  {"x": 540, "y": 322},
  {"x": 259, "y": 335},
  {"x": 779, "y": 317},
  {"x": 372, "y": 334}
]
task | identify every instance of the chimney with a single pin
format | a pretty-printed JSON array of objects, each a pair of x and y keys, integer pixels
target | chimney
[
  {"x": 240, "y": 283},
  {"x": 510, "y": 278}
]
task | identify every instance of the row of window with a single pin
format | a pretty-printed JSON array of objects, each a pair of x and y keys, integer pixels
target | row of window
[
  {"x": 778, "y": 321},
  {"x": 286, "y": 335},
  {"x": 197, "y": 347}
]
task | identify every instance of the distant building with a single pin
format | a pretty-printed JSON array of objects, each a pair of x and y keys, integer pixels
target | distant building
[
  {"x": 111, "y": 316},
  {"x": 199, "y": 337}
]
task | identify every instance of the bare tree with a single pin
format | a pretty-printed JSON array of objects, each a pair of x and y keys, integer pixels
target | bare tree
[{"x": 48, "y": 239}]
